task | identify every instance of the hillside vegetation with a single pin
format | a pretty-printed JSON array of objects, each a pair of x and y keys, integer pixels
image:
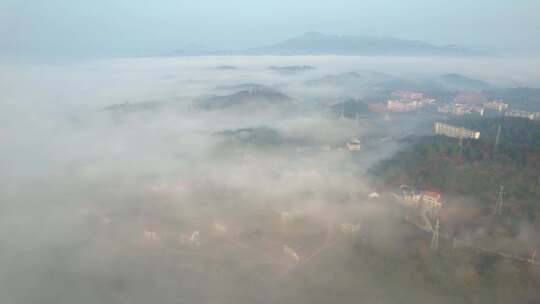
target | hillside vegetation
[{"x": 477, "y": 168}]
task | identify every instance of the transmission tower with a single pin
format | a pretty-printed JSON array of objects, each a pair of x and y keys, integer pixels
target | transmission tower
[
  {"x": 498, "y": 138},
  {"x": 460, "y": 142},
  {"x": 435, "y": 238},
  {"x": 499, "y": 202},
  {"x": 533, "y": 256}
]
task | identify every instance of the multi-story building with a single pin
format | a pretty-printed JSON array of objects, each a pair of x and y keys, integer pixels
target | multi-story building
[
  {"x": 288, "y": 216},
  {"x": 451, "y": 109},
  {"x": 460, "y": 109},
  {"x": 522, "y": 114},
  {"x": 354, "y": 145},
  {"x": 151, "y": 235},
  {"x": 289, "y": 252},
  {"x": 349, "y": 228},
  {"x": 408, "y": 95},
  {"x": 406, "y": 105},
  {"x": 397, "y": 105},
  {"x": 412, "y": 197},
  {"x": 404, "y": 101},
  {"x": 454, "y": 131},
  {"x": 497, "y": 105},
  {"x": 193, "y": 239},
  {"x": 220, "y": 228},
  {"x": 432, "y": 199}
]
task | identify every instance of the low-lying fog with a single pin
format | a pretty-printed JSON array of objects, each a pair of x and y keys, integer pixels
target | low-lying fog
[{"x": 101, "y": 206}]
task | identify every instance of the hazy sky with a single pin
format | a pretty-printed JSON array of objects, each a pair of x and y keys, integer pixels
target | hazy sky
[{"x": 118, "y": 27}]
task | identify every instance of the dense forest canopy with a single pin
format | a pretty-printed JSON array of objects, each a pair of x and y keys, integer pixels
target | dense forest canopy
[
  {"x": 522, "y": 98},
  {"x": 351, "y": 108},
  {"x": 478, "y": 167}
]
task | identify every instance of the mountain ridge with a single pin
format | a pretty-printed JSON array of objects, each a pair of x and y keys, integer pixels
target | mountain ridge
[{"x": 261, "y": 96}]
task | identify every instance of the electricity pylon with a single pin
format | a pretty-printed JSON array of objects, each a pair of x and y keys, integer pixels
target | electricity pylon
[
  {"x": 533, "y": 256},
  {"x": 499, "y": 202},
  {"x": 498, "y": 138},
  {"x": 435, "y": 237}
]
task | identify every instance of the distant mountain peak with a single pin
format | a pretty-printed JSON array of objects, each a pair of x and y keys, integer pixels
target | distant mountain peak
[
  {"x": 317, "y": 43},
  {"x": 313, "y": 34}
]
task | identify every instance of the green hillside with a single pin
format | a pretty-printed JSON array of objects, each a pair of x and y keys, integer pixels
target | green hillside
[{"x": 477, "y": 168}]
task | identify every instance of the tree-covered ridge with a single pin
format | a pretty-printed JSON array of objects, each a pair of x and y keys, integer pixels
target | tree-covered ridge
[
  {"x": 478, "y": 167},
  {"x": 515, "y": 132},
  {"x": 255, "y": 136},
  {"x": 351, "y": 108},
  {"x": 522, "y": 98}
]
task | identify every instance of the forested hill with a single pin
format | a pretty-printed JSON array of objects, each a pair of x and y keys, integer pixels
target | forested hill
[{"x": 478, "y": 167}]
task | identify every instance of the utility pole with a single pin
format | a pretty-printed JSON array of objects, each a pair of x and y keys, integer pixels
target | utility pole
[
  {"x": 499, "y": 202},
  {"x": 435, "y": 237}
]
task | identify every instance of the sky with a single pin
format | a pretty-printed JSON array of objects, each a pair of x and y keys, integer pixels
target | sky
[{"x": 140, "y": 27}]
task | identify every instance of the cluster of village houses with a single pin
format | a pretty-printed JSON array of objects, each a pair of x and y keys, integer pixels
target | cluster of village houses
[
  {"x": 404, "y": 101},
  {"x": 193, "y": 239},
  {"x": 464, "y": 104}
]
